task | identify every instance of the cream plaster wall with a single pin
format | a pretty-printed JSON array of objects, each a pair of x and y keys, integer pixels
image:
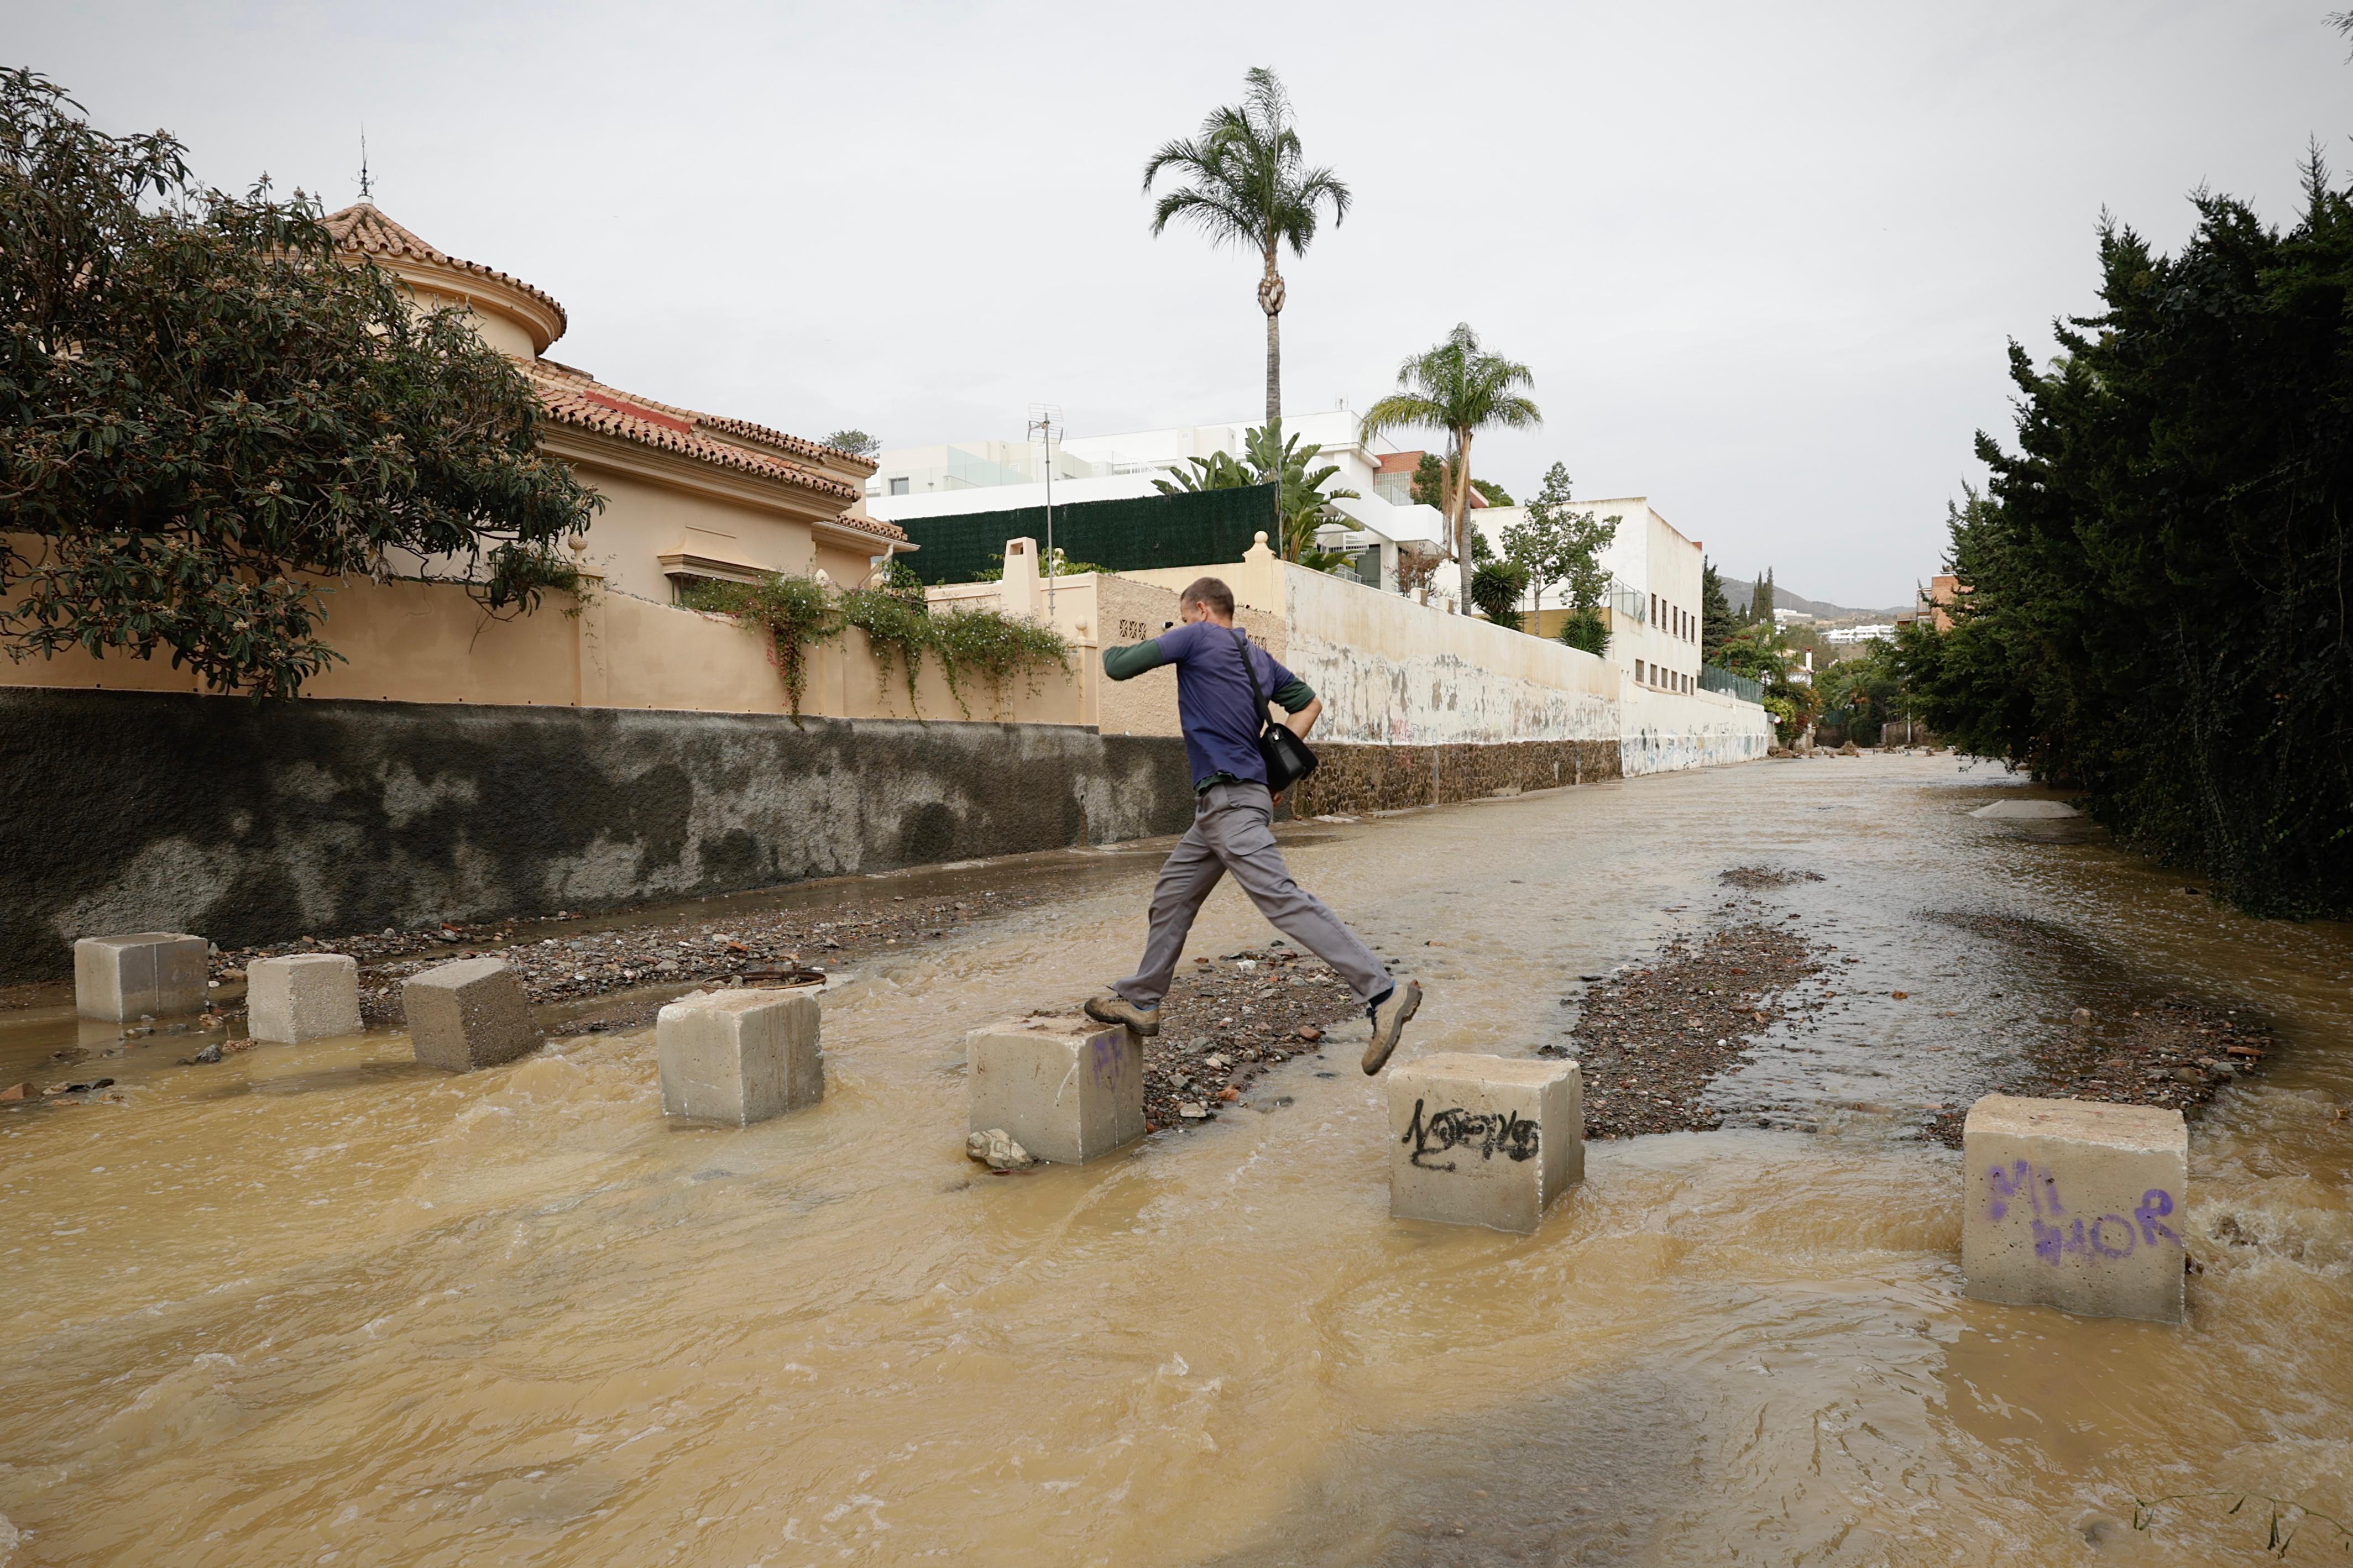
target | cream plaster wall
[
  {"x": 1661, "y": 731},
  {"x": 643, "y": 520},
  {"x": 502, "y": 333},
  {"x": 1393, "y": 671},
  {"x": 428, "y": 642}
]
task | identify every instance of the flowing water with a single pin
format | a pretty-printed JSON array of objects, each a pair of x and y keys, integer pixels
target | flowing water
[{"x": 316, "y": 1305}]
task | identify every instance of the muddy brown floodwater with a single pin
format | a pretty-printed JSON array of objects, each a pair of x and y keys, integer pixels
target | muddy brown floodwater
[{"x": 314, "y": 1305}]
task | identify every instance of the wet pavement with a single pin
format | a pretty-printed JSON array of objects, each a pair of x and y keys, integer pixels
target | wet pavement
[{"x": 317, "y": 1305}]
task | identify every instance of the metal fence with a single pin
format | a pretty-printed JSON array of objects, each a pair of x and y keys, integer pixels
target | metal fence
[
  {"x": 1134, "y": 534},
  {"x": 1712, "y": 679}
]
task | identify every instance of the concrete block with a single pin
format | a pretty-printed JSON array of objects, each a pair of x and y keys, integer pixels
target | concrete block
[
  {"x": 469, "y": 1013},
  {"x": 1066, "y": 1090},
  {"x": 1477, "y": 1140},
  {"x": 304, "y": 996},
  {"x": 2075, "y": 1204},
  {"x": 119, "y": 978},
  {"x": 739, "y": 1055}
]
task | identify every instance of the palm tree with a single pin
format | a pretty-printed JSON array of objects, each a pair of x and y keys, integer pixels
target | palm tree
[
  {"x": 1249, "y": 189},
  {"x": 1301, "y": 504},
  {"x": 1461, "y": 389}
]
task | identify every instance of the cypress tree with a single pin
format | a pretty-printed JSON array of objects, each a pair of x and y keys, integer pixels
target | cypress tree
[{"x": 2156, "y": 607}]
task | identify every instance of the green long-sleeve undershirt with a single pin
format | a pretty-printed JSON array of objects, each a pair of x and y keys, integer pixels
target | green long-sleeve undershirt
[{"x": 1127, "y": 663}]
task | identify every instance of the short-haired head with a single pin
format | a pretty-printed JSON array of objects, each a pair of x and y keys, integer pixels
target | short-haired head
[{"x": 1211, "y": 593}]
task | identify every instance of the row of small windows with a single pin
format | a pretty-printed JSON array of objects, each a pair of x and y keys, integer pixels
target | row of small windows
[
  {"x": 1677, "y": 621},
  {"x": 1648, "y": 674}
]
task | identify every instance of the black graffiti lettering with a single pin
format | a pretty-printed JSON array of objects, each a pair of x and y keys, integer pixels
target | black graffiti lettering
[{"x": 1507, "y": 1132}]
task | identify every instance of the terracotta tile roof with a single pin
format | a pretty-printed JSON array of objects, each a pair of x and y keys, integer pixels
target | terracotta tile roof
[
  {"x": 745, "y": 430},
  {"x": 572, "y": 397},
  {"x": 362, "y": 227},
  {"x": 1399, "y": 462},
  {"x": 575, "y": 397}
]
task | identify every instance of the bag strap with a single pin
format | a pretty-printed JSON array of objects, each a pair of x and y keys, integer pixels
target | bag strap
[{"x": 1241, "y": 641}]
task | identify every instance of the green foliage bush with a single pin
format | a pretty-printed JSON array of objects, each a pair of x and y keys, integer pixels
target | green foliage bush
[
  {"x": 795, "y": 614},
  {"x": 1496, "y": 587},
  {"x": 1587, "y": 629},
  {"x": 898, "y": 626},
  {"x": 2157, "y": 610},
  {"x": 996, "y": 646}
]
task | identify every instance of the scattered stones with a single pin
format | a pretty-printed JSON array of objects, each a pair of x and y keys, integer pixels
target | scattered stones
[
  {"x": 2132, "y": 1045},
  {"x": 577, "y": 960},
  {"x": 997, "y": 1150},
  {"x": 1250, "y": 1019},
  {"x": 148, "y": 974},
  {"x": 1650, "y": 1038},
  {"x": 206, "y": 1056},
  {"x": 469, "y": 1014},
  {"x": 17, "y": 1091}
]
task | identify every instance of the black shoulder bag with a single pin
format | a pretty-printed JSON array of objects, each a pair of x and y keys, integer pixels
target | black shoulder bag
[{"x": 1286, "y": 756}]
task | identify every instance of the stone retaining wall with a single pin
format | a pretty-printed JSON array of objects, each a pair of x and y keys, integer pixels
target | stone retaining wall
[
  {"x": 252, "y": 822},
  {"x": 1351, "y": 779}
]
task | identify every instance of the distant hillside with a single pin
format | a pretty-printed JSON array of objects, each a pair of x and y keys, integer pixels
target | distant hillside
[{"x": 1740, "y": 593}]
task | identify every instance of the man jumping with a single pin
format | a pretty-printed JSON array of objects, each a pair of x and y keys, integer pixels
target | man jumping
[{"x": 1233, "y": 818}]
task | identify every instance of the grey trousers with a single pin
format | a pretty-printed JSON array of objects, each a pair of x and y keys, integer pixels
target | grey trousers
[{"x": 1233, "y": 830}]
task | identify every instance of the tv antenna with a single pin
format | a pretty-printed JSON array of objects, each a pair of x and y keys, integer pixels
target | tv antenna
[
  {"x": 367, "y": 189},
  {"x": 1045, "y": 424}
]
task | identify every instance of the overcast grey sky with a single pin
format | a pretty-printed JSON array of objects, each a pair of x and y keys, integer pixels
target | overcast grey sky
[{"x": 1761, "y": 258}]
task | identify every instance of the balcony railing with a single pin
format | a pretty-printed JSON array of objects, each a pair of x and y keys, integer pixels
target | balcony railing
[{"x": 1712, "y": 679}]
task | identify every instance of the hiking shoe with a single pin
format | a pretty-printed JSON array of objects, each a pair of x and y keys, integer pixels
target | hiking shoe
[
  {"x": 1388, "y": 1012},
  {"x": 1111, "y": 1007}
]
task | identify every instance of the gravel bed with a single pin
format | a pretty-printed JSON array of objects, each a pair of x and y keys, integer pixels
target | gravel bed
[
  {"x": 1649, "y": 1037},
  {"x": 566, "y": 960},
  {"x": 2127, "y": 1042},
  {"x": 1229, "y": 1019}
]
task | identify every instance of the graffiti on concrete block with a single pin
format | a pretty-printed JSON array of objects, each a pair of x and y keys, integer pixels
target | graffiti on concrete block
[
  {"x": 2033, "y": 1191},
  {"x": 1507, "y": 1133},
  {"x": 1107, "y": 1057}
]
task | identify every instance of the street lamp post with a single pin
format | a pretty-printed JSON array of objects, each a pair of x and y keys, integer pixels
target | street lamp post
[{"x": 1046, "y": 423}]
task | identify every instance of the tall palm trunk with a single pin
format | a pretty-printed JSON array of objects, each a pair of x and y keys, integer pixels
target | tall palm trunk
[
  {"x": 1270, "y": 299},
  {"x": 1459, "y": 522}
]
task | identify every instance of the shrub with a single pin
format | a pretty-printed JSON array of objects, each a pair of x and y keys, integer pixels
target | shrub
[
  {"x": 1496, "y": 587},
  {"x": 792, "y": 612},
  {"x": 996, "y": 646},
  {"x": 897, "y": 626},
  {"x": 1585, "y": 629}
]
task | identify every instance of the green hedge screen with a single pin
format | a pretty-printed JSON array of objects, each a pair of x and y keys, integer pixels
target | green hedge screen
[{"x": 1193, "y": 528}]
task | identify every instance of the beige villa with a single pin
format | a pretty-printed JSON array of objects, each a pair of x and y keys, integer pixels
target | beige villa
[{"x": 688, "y": 495}]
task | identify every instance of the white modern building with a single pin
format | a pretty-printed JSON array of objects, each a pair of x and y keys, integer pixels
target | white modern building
[
  {"x": 1005, "y": 476},
  {"x": 1654, "y": 604}
]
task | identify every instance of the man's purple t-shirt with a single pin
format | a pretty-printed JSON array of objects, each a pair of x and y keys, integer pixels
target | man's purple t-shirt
[{"x": 1213, "y": 699}]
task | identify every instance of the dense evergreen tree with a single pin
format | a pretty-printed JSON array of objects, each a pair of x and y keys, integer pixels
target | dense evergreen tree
[
  {"x": 205, "y": 412},
  {"x": 2156, "y": 585},
  {"x": 1717, "y": 620}
]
